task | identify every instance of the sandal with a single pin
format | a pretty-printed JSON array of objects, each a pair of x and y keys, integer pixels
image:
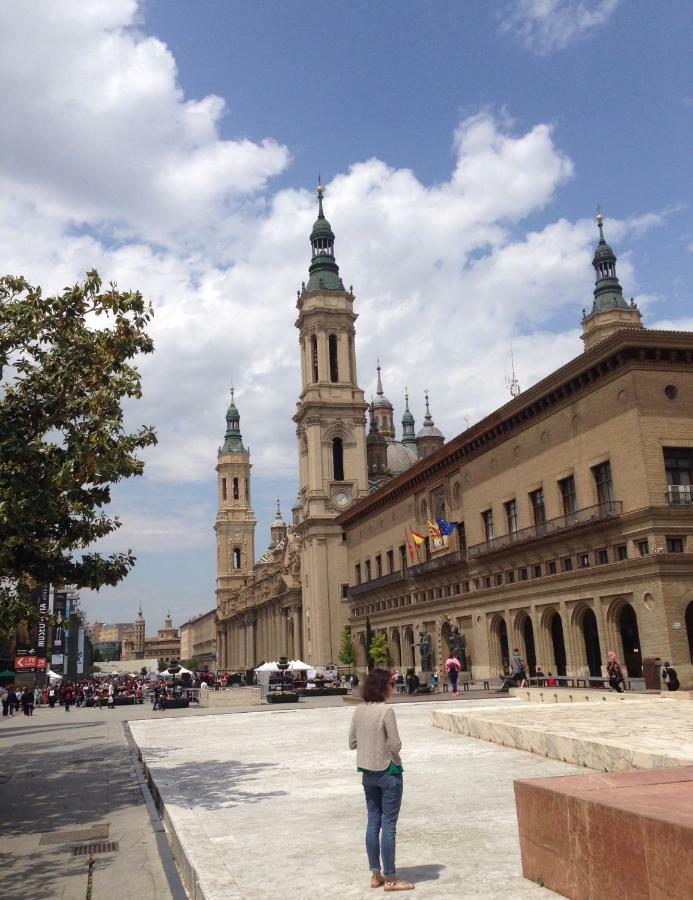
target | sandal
[
  {"x": 377, "y": 880},
  {"x": 396, "y": 884}
]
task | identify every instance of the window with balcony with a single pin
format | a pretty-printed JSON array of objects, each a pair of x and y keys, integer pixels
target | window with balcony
[
  {"x": 583, "y": 560},
  {"x": 487, "y": 581},
  {"x": 487, "y": 520},
  {"x": 568, "y": 496},
  {"x": 368, "y": 570},
  {"x": 551, "y": 567},
  {"x": 602, "y": 556},
  {"x": 674, "y": 544},
  {"x": 357, "y": 573},
  {"x": 390, "y": 557},
  {"x": 537, "y": 571},
  {"x": 643, "y": 547},
  {"x": 378, "y": 566},
  {"x": 465, "y": 587},
  {"x": 403, "y": 556},
  {"x": 509, "y": 577},
  {"x": 461, "y": 536},
  {"x": 567, "y": 564},
  {"x": 603, "y": 482},
  {"x": 622, "y": 552},
  {"x": 498, "y": 579},
  {"x": 678, "y": 464},
  {"x": 524, "y": 574},
  {"x": 536, "y": 498},
  {"x": 511, "y": 515},
  {"x": 345, "y": 590}
]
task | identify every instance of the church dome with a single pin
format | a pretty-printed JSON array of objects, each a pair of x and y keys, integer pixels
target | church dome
[{"x": 399, "y": 457}]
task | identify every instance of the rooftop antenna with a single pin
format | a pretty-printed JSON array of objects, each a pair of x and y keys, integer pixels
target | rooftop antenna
[{"x": 512, "y": 383}]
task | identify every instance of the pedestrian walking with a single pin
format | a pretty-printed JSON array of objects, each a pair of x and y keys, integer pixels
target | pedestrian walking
[
  {"x": 375, "y": 738},
  {"x": 669, "y": 677},
  {"x": 615, "y": 673},
  {"x": 12, "y": 701},
  {"x": 518, "y": 669},
  {"x": 67, "y": 697},
  {"x": 452, "y": 667}
]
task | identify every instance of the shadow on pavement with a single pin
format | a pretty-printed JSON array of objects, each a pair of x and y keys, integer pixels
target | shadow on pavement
[
  {"x": 211, "y": 784},
  {"x": 425, "y": 872}
]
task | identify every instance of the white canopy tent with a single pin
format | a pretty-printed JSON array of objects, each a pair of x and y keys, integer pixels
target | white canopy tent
[
  {"x": 295, "y": 665},
  {"x": 53, "y": 676},
  {"x": 268, "y": 667}
]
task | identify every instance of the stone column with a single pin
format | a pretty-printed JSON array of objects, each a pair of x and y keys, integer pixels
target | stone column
[
  {"x": 604, "y": 641},
  {"x": 572, "y": 663},
  {"x": 298, "y": 633},
  {"x": 284, "y": 631}
]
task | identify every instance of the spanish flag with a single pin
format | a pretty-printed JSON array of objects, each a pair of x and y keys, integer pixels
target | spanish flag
[{"x": 417, "y": 538}]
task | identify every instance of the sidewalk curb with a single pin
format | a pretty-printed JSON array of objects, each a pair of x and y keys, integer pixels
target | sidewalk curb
[{"x": 166, "y": 856}]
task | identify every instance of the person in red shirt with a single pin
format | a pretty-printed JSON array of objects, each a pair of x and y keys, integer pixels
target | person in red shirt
[{"x": 452, "y": 667}]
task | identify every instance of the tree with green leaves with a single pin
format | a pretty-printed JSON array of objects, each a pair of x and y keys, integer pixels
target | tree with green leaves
[
  {"x": 65, "y": 370},
  {"x": 378, "y": 650},
  {"x": 347, "y": 654}
]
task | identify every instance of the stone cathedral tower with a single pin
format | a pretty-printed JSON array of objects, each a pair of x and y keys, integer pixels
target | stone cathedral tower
[
  {"x": 235, "y": 522},
  {"x": 330, "y": 420}
]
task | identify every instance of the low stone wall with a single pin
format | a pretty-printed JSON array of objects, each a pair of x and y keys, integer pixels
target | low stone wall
[
  {"x": 575, "y": 695},
  {"x": 619, "y": 836},
  {"x": 236, "y": 696}
]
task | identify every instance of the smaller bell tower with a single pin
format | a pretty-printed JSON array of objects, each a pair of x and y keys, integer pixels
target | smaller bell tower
[{"x": 235, "y": 522}]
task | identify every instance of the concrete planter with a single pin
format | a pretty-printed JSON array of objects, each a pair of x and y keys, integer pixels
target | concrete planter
[
  {"x": 323, "y": 692},
  {"x": 175, "y": 704},
  {"x": 282, "y": 698}
]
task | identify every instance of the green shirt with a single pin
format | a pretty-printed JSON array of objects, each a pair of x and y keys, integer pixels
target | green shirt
[{"x": 392, "y": 769}]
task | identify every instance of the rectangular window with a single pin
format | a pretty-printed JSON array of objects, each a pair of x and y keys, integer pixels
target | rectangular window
[
  {"x": 476, "y": 584},
  {"x": 390, "y": 556},
  {"x": 378, "y": 566},
  {"x": 462, "y": 536},
  {"x": 603, "y": 483},
  {"x": 498, "y": 579},
  {"x": 644, "y": 547},
  {"x": 568, "y": 498},
  {"x": 465, "y": 587},
  {"x": 487, "y": 519},
  {"x": 403, "y": 556},
  {"x": 622, "y": 552},
  {"x": 455, "y": 588},
  {"x": 345, "y": 590},
  {"x": 551, "y": 567},
  {"x": 511, "y": 515},
  {"x": 674, "y": 544},
  {"x": 567, "y": 564},
  {"x": 583, "y": 560},
  {"x": 537, "y": 571},
  {"x": 602, "y": 556},
  {"x": 536, "y": 498},
  {"x": 524, "y": 574},
  {"x": 509, "y": 577},
  {"x": 368, "y": 570},
  {"x": 357, "y": 573},
  {"x": 487, "y": 581}
]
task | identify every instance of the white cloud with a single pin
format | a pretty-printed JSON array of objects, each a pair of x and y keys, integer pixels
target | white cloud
[
  {"x": 547, "y": 25},
  {"x": 101, "y": 142}
]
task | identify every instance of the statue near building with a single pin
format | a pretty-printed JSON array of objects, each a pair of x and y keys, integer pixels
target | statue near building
[
  {"x": 424, "y": 646},
  {"x": 458, "y": 647}
]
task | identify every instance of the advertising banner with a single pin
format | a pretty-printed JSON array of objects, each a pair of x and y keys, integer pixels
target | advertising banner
[
  {"x": 80, "y": 651},
  {"x": 59, "y": 637},
  {"x": 42, "y": 603}
]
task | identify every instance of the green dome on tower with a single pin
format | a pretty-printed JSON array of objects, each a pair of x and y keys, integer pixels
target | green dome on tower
[
  {"x": 233, "y": 441},
  {"x": 323, "y": 270},
  {"x": 608, "y": 293}
]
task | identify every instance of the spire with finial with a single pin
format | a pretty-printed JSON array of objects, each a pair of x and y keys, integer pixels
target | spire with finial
[
  {"x": 408, "y": 424},
  {"x": 278, "y": 526},
  {"x": 232, "y": 439},
  {"x": 512, "y": 383},
  {"x": 385, "y": 410},
  {"x": 379, "y": 389},
  {"x": 607, "y": 290},
  {"x": 323, "y": 270},
  {"x": 429, "y": 437}
]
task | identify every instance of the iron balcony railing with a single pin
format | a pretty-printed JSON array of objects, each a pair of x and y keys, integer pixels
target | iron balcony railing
[
  {"x": 680, "y": 495},
  {"x": 437, "y": 562},
  {"x": 606, "y": 510}
]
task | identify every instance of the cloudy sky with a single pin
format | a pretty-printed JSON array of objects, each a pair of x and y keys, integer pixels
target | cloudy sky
[{"x": 175, "y": 147}]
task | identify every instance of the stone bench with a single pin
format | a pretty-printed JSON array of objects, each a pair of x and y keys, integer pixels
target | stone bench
[
  {"x": 618, "y": 835},
  {"x": 236, "y": 696}
]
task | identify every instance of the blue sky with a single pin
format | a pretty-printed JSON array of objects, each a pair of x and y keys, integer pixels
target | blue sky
[{"x": 465, "y": 146}]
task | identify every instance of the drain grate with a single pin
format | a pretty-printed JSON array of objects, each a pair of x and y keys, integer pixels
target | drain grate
[{"x": 102, "y": 847}]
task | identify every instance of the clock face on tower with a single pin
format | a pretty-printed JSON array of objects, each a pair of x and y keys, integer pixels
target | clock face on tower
[{"x": 341, "y": 499}]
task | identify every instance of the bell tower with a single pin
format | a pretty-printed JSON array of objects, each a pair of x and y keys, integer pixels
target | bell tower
[
  {"x": 330, "y": 426},
  {"x": 235, "y": 522}
]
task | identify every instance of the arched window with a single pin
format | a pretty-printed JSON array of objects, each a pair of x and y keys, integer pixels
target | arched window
[
  {"x": 235, "y": 489},
  {"x": 334, "y": 369},
  {"x": 223, "y": 489},
  {"x": 338, "y": 459},
  {"x": 314, "y": 356},
  {"x": 236, "y": 558}
]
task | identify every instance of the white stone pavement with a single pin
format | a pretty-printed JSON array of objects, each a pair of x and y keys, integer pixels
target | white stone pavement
[{"x": 269, "y": 804}]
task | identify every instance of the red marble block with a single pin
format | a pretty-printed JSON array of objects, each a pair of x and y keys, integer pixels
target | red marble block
[{"x": 622, "y": 836}]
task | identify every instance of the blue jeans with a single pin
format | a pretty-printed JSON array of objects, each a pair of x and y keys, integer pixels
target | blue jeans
[{"x": 383, "y": 800}]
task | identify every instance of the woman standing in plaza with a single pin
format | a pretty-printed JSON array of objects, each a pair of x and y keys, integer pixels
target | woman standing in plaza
[
  {"x": 376, "y": 740},
  {"x": 615, "y": 673}
]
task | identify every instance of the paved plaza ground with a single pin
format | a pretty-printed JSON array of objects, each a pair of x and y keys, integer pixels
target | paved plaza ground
[{"x": 269, "y": 804}]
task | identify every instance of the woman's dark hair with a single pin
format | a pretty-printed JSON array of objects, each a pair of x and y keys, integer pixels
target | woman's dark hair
[{"x": 375, "y": 687}]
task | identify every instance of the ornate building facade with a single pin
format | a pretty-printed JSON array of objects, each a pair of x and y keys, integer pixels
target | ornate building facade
[{"x": 572, "y": 505}]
